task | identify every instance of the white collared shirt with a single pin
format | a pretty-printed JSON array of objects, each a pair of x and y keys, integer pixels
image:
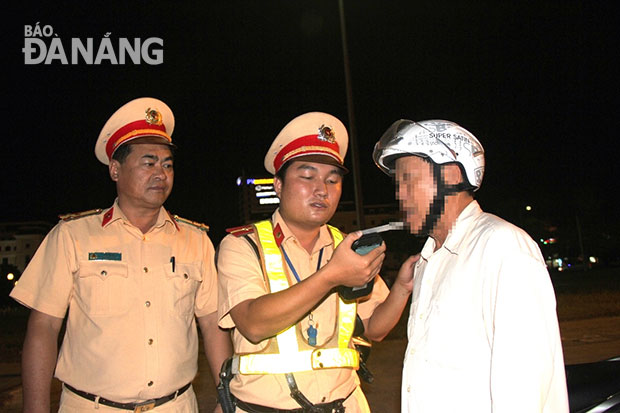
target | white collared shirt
[{"x": 483, "y": 331}]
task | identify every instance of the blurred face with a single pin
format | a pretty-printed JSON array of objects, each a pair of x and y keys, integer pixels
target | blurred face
[
  {"x": 309, "y": 194},
  {"x": 415, "y": 189},
  {"x": 145, "y": 178}
]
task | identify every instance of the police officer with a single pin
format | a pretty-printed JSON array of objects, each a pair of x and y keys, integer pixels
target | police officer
[
  {"x": 277, "y": 280},
  {"x": 483, "y": 327},
  {"x": 133, "y": 278}
]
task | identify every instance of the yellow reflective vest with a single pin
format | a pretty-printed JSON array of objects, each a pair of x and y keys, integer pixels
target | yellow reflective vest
[{"x": 289, "y": 352}]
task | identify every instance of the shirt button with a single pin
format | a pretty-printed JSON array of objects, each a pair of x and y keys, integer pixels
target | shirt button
[
  {"x": 408, "y": 389},
  {"x": 150, "y": 341},
  {"x": 145, "y": 269},
  {"x": 148, "y": 304},
  {"x": 150, "y": 383},
  {"x": 104, "y": 273}
]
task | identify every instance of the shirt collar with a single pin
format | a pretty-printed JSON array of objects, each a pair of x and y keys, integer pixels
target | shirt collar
[
  {"x": 462, "y": 225},
  {"x": 460, "y": 228},
  {"x": 325, "y": 238},
  {"x": 114, "y": 213}
]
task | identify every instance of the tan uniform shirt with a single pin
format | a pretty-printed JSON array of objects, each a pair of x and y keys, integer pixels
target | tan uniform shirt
[
  {"x": 131, "y": 332},
  {"x": 241, "y": 278}
]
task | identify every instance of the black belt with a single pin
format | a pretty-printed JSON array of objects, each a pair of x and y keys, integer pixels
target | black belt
[
  {"x": 136, "y": 407},
  {"x": 334, "y": 406}
]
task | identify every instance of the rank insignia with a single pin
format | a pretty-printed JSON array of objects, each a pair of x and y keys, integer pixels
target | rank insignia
[
  {"x": 76, "y": 215},
  {"x": 199, "y": 225}
]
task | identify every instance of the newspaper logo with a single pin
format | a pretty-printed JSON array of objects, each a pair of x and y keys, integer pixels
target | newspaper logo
[{"x": 43, "y": 46}]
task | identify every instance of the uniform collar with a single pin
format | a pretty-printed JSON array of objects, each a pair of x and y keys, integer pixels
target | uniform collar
[
  {"x": 325, "y": 238},
  {"x": 462, "y": 225},
  {"x": 114, "y": 213},
  {"x": 460, "y": 228}
]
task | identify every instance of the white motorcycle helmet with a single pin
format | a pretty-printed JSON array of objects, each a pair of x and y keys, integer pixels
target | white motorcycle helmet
[{"x": 439, "y": 140}]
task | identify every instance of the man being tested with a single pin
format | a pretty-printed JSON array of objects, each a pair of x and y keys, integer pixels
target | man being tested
[
  {"x": 133, "y": 278},
  {"x": 483, "y": 332},
  {"x": 277, "y": 279}
]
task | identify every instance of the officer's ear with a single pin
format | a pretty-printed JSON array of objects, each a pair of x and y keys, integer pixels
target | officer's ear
[
  {"x": 113, "y": 169},
  {"x": 277, "y": 185}
]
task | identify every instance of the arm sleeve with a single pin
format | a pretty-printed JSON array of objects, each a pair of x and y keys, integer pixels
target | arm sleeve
[
  {"x": 240, "y": 277},
  {"x": 526, "y": 352},
  {"x": 47, "y": 282},
  {"x": 368, "y": 305},
  {"x": 206, "y": 297}
]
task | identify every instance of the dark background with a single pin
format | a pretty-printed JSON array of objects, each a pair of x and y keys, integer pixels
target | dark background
[{"x": 536, "y": 82}]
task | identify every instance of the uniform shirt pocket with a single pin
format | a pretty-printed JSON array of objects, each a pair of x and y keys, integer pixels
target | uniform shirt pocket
[
  {"x": 102, "y": 287},
  {"x": 183, "y": 285}
]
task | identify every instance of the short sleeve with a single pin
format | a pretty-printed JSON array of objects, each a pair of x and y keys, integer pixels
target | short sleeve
[
  {"x": 380, "y": 292},
  {"x": 206, "y": 296},
  {"x": 240, "y": 276},
  {"x": 47, "y": 282}
]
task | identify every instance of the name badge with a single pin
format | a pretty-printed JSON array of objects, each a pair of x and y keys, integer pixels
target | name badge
[{"x": 107, "y": 256}]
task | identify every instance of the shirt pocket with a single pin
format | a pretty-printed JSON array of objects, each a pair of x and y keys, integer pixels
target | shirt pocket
[
  {"x": 102, "y": 287},
  {"x": 183, "y": 284}
]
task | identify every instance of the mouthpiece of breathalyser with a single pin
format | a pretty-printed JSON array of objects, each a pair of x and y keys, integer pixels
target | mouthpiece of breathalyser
[{"x": 382, "y": 228}]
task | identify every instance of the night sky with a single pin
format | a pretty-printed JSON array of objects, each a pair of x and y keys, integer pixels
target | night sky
[{"x": 536, "y": 82}]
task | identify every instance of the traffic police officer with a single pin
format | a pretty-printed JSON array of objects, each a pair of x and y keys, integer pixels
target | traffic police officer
[
  {"x": 277, "y": 281},
  {"x": 133, "y": 278}
]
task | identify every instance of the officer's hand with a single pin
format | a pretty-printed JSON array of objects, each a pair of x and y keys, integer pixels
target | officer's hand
[
  {"x": 350, "y": 269},
  {"x": 405, "y": 274}
]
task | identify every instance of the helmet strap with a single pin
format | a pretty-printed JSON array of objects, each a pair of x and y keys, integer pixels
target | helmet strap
[{"x": 439, "y": 202}]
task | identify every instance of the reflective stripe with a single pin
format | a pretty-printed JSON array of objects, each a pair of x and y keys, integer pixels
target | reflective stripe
[
  {"x": 291, "y": 358},
  {"x": 287, "y": 342},
  {"x": 300, "y": 361}
]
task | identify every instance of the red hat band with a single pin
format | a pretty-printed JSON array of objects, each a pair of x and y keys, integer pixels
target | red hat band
[
  {"x": 307, "y": 145},
  {"x": 134, "y": 130}
]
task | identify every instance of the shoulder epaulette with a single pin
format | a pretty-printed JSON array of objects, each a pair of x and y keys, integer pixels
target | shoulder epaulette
[
  {"x": 241, "y": 231},
  {"x": 76, "y": 215},
  {"x": 198, "y": 225}
]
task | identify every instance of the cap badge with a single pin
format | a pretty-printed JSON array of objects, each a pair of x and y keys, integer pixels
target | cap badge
[
  {"x": 153, "y": 117},
  {"x": 326, "y": 134}
]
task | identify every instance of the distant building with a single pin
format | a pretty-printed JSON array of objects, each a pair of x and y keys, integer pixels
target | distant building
[{"x": 20, "y": 240}]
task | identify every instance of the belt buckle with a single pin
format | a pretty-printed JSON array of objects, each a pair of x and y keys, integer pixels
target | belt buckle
[{"x": 145, "y": 406}]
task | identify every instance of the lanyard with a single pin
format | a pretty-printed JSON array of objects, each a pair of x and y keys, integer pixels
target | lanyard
[{"x": 290, "y": 264}]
